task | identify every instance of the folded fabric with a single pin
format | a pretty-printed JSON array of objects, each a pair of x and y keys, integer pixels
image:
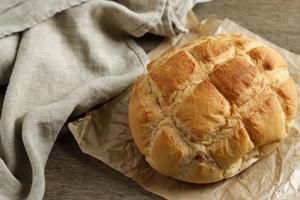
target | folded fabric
[
  {"x": 17, "y": 15},
  {"x": 64, "y": 66}
]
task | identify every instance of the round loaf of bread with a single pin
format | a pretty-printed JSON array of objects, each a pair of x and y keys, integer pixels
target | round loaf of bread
[{"x": 212, "y": 108}]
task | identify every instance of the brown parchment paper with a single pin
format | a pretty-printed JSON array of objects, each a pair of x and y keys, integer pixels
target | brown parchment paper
[{"x": 104, "y": 134}]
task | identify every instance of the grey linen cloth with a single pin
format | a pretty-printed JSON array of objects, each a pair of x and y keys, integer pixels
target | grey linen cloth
[{"x": 62, "y": 67}]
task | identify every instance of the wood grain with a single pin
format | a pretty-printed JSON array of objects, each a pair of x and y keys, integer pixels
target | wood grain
[
  {"x": 275, "y": 20},
  {"x": 70, "y": 174}
]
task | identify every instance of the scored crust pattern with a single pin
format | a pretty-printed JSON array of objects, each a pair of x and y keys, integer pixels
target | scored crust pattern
[{"x": 209, "y": 110}]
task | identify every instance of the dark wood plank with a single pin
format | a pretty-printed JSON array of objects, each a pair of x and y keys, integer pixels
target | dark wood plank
[
  {"x": 276, "y": 20},
  {"x": 71, "y": 174}
]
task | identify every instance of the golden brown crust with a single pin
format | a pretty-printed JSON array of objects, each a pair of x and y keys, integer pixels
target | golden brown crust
[
  {"x": 234, "y": 77},
  {"x": 161, "y": 59},
  {"x": 242, "y": 42},
  {"x": 201, "y": 172},
  {"x": 266, "y": 123},
  {"x": 144, "y": 114},
  {"x": 232, "y": 148},
  {"x": 267, "y": 58},
  {"x": 173, "y": 75},
  {"x": 208, "y": 49},
  {"x": 168, "y": 151},
  {"x": 206, "y": 106},
  {"x": 207, "y": 111},
  {"x": 288, "y": 92}
]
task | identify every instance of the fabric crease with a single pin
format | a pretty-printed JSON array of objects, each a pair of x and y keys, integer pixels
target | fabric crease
[{"x": 63, "y": 66}]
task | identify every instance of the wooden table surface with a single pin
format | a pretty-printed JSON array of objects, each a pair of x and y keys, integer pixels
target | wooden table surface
[{"x": 70, "y": 174}]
